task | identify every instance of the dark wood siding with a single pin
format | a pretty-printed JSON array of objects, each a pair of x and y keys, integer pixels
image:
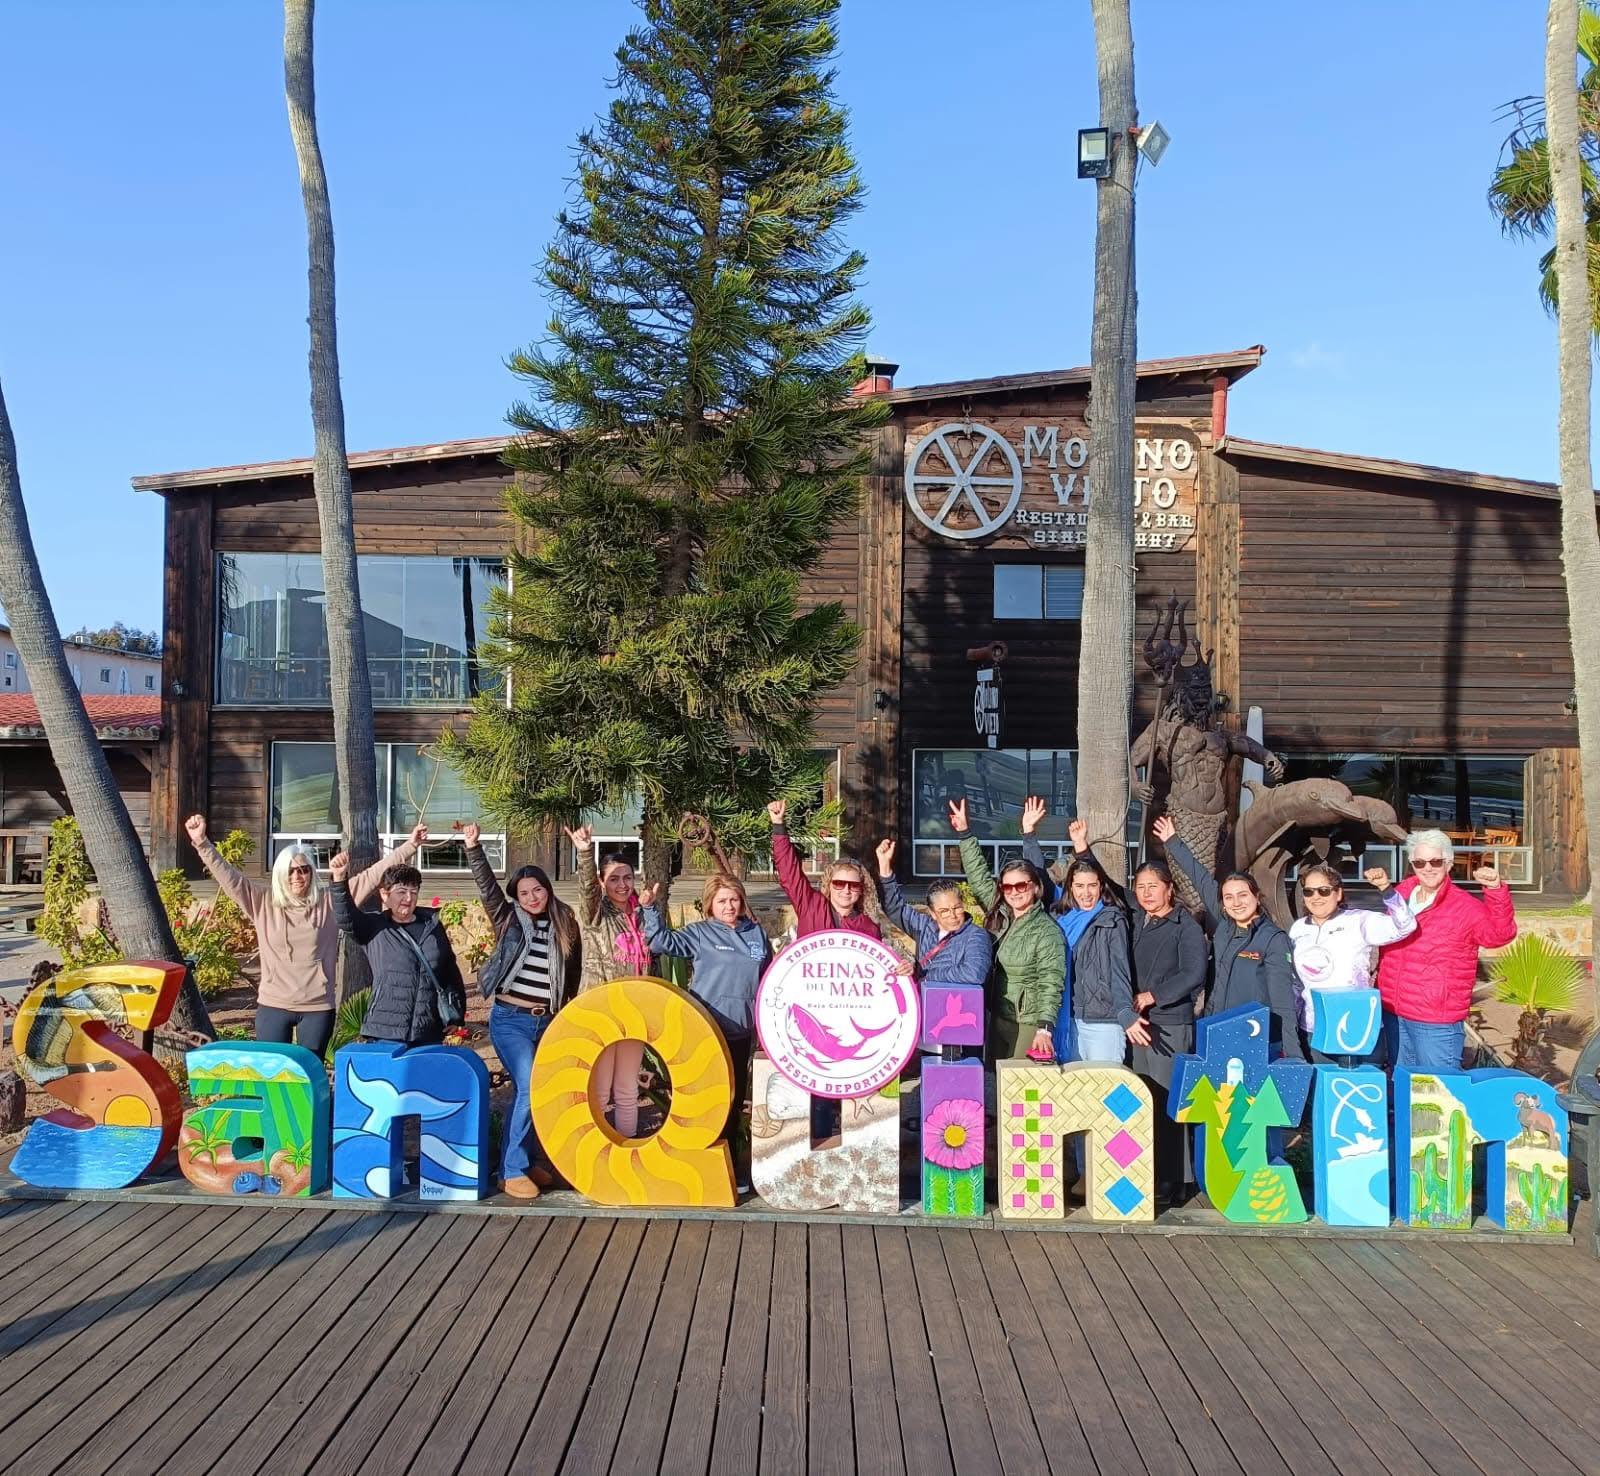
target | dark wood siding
[
  {"x": 33, "y": 796},
  {"x": 1383, "y": 615}
]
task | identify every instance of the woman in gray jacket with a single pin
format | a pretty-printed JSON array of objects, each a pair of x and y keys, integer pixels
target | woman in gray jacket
[{"x": 729, "y": 952}]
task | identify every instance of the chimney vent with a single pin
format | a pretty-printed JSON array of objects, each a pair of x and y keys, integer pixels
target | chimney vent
[{"x": 880, "y": 376}]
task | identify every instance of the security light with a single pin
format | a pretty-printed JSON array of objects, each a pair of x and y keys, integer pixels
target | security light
[
  {"x": 1094, "y": 153},
  {"x": 1153, "y": 142}
]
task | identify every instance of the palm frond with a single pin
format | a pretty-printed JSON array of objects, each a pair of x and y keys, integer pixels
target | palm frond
[{"x": 1534, "y": 974}]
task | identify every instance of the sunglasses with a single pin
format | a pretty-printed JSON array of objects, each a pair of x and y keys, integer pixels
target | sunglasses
[
  {"x": 1319, "y": 891},
  {"x": 845, "y": 886},
  {"x": 1421, "y": 865},
  {"x": 1021, "y": 886},
  {"x": 299, "y": 871}
]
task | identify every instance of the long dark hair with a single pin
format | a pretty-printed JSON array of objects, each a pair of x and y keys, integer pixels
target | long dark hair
[
  {"x": 1086, "y": 866},
  {"x": 999, "y": 915},
  {"x": 563, "y": 920}
]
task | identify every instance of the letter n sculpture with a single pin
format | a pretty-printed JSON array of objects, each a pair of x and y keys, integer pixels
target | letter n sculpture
[{"x": 1039, "y": 1107}]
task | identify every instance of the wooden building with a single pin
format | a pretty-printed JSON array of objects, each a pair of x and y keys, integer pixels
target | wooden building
[{"x": 1401, "y": 626}]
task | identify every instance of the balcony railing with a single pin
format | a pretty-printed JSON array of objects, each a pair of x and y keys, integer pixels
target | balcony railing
[{"x": 397, "y": 681}]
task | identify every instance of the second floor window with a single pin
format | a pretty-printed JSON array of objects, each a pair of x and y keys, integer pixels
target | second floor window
[
  {"x": 105, "y": 676},
  {"x": 424, "y": 618}
]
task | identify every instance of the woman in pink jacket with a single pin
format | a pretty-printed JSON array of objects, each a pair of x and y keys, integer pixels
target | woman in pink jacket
[{"x": 1426, "y": 980}]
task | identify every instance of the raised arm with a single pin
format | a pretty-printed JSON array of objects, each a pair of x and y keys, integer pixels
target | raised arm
[
  {"x": 251, "y": 897},
  {"x": 659, "y": 935},
  {"x": 1395, "y": 922},
  {"x": 786, "y": 861},
  {"x": 493, "y": 896},
  {"x": 362, "y": 926},
  {"x": 1497, "y": 923},
  {"x": 365, "y": 883},
  {"x": 588, "y": 877},
  {"x": 1183, "y": 858}
]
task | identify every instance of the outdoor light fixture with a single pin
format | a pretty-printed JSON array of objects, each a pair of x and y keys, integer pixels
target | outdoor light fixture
[
  {"x": 1094, "y": 153},
  {"x": 1153, "y": 142}
]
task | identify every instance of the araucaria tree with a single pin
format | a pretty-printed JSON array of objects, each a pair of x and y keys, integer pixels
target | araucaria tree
[{"x": 690, "y": 441}]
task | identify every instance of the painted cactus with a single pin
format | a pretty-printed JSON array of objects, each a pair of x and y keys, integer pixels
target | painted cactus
[{"x": 1460, "y": 1170}]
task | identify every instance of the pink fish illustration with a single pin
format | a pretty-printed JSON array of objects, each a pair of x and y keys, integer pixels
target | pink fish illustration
[
  {"x": 813, "y": 1040},
  {"x": 953, "y": 1018}
]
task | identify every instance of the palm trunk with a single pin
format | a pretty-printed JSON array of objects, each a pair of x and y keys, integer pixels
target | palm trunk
[
  {"x": 351, "y": 684},
  {"x": 120, "y": 868},
  {"x": 1105, "y": 660},
  {"x": 1580, "y": 539}
]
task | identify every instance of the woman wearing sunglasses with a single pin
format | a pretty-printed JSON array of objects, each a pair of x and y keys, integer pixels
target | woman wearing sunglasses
[
  {"x": 1030, "y": 959},
  {"x": 1250, "y": 954},
  {"x": 1426, "y": 979},
  {"x": 1335, "y": 946},
  {"x": 842, "y": 902},
  {"x": 296, "y": 933}
]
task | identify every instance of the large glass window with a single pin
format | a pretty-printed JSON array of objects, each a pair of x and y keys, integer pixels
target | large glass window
[
  {"x": 423, "y": 617},
  {"x": 994, "y": 783},
  {"x": 1477, "y": 801},
  {"x": 1038, "y": 591},
  {"x": 412, "y": 785}
]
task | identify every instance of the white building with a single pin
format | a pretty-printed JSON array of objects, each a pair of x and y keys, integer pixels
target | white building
[{"x": 97, "y": 671}]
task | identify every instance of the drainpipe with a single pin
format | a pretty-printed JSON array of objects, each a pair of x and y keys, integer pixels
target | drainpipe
[{"x": 1219, "y": 409}]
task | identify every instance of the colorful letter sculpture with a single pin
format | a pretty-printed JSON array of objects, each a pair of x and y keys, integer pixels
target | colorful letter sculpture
[
  {"x": 1040, "y": 1106},
  {"x": 686, "y": 1163},
  {"x": 376, "y": 1085},
  {"x": 861, "y": 1174},
  {"x": 952, "y": 1015},
  {"x": 952, "y": 1138},
  {"x": 1438, "y": 1119},
  {"x": 1346, "y": 1022},
  {"x": 1231, "y": 1094},
  {"x": 120, "y": 1108},
  {"x": 1350, "y": 1144},
  {"x": 269, "y": 1132}
]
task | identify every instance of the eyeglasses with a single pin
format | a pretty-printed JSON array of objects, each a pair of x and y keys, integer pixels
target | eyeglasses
[
  {"x": 1319, "y": 891},
  {"x": 299, "y": 871},
  {"x": 1418, "y": 863},
  {"x": 1021, "y": 886},
  {"x": 845, "y": 886}
]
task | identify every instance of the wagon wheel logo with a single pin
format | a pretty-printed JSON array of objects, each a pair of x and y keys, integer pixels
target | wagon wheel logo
[{"x": 962, "y": 472}]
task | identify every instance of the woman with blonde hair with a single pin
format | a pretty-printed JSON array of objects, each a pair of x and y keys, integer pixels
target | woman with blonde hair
[
  {"x": 296, "y": 933},
  {"x": 846, "y": 905},
  {"x": 729, "y": 951}
]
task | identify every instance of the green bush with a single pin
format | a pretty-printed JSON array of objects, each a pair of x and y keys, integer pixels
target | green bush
[
  {"x": 66, "y": 888},
  {"x": 217, "y": 937}
]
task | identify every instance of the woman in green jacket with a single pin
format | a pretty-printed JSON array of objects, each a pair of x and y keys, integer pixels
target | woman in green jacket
[{"x": 1030, "y": 964}]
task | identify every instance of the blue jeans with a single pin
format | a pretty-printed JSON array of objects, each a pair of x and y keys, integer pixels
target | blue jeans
[
  {"x": 1101, "y": 1041},
  {"x": 515, "y": 1035},
  {"x": 1422, "y": 1046}
]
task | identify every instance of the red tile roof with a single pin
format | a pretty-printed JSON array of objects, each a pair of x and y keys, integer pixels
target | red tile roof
[{"x": 113, "y": 717}]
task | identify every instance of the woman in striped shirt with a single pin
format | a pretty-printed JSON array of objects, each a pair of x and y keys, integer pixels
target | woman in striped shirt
[{"x": 532, "y": 972}]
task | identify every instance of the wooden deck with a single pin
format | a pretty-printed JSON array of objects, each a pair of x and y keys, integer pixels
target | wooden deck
[{"x": 140, "y": 1337}]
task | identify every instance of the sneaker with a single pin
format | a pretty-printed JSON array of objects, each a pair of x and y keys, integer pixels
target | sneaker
[{"x": 520, "y": 1186}]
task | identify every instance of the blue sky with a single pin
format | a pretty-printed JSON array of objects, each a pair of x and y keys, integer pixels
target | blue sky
[{"x": 1323, "y": 195}]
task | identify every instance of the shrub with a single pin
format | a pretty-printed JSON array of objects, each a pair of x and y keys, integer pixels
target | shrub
[
  {"x": 471, "y": 935},
  {"x": 218, "y": 937},
  {"x": 66, "y": 889}
]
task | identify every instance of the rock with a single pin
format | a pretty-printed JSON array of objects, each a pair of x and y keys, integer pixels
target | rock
[{"x": 13, "y": 1102}]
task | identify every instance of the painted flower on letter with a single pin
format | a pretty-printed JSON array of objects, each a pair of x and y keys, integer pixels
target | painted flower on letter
[{"x": 952, "y": 1134}]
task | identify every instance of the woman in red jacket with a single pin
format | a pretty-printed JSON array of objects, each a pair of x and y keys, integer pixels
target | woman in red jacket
[
  {"x": 1426, "y": 979},
  {"x": 842, "y": 906}
]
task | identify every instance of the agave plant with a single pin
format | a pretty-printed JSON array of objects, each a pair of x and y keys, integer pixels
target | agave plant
[
  {"x": 1536, "y": 975},
  {"x": 348, "y": 1022}
]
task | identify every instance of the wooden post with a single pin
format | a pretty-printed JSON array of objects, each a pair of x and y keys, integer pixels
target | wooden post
[
  {"x": 1556, "y": 828},
  {"x": 871, "y": 780},
  {"x": 181, "y": 781},
  {"x": 1217, "y": 546}
]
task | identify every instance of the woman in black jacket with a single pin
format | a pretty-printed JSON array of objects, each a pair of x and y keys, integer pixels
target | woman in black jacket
[
  {"x": 1252, "y": 960},
  {"x": 1170, "y": 956},
  {"x": 417, "y": 992}
]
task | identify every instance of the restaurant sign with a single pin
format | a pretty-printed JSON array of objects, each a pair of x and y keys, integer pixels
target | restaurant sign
[{"x": 1027, "y": 483}]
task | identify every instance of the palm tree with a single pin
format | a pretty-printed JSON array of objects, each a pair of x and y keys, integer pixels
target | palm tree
[
  {"x": 1521, "y": 192},
  {"x": 1573, "y": 262},
  {"x": 349, "y": 679},
  {"x": 1105, "y": 660},
  {"x": 118, "y": 859}
]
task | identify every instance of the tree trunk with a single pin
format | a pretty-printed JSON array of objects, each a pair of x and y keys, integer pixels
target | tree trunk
[
  {"x": 1105, "y": 661},
  {"x": 350, "y": 682},
  {"x": 120, "y": 868},
  {"x": 1580, "y": 539}
]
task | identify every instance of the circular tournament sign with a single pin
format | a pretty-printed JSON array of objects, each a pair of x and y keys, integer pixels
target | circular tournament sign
[{"x": 836, "y": 1016}]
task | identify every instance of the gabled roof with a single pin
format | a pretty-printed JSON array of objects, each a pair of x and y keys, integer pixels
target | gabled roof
[
  {"x": 1236, "y": 448},
  {"x": 1231, "y": 365},
  {"x": 113, "y": 717}
]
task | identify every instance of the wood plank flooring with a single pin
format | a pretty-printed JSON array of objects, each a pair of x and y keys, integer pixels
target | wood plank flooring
[{"x": 139, "y": 1337}]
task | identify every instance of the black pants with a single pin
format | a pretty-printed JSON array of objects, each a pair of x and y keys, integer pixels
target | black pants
[
  {"x": 1154, "y": 1063},
  {"x": 312, "y": 1029}
]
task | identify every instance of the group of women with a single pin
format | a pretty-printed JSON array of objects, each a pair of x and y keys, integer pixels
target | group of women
[
  {"x": 1080, "y": 974},
  {"x": 1072, "y": 971}
]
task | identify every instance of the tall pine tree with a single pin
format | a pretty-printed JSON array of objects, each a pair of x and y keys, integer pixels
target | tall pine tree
[{"x": 690, "y": 441}]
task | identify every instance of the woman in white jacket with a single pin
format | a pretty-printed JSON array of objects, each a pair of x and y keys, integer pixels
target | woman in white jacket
[{"x": 1336, "y": 947}]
